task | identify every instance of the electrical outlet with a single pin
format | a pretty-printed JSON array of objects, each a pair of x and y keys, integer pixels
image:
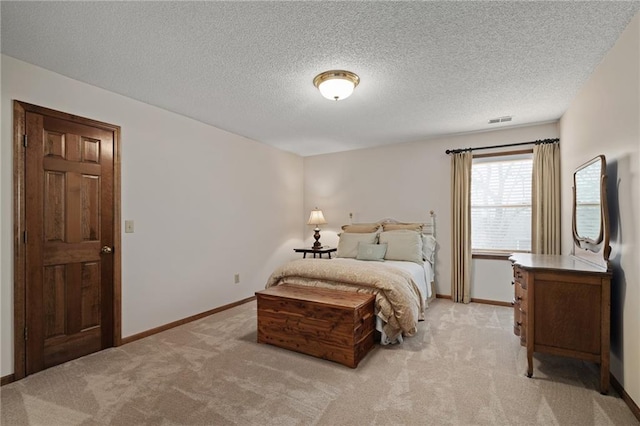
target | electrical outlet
[
  {"x": 128, "y": 226},
  {"x": 236, "y": 278}
]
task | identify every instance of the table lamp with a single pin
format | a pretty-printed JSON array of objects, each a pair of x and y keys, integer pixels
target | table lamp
[{"x": 316, "y": 218}]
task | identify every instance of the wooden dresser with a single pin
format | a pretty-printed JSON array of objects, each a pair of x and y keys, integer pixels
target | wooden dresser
[
  {"x": 562, "y": 307},
  {"x": 329, "y": 324}
]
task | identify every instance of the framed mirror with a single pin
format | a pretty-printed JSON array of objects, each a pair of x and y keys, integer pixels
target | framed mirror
[{"x": 590, "y": 213}]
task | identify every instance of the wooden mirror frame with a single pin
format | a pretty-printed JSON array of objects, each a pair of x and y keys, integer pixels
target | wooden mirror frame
[{"x": 602, "y": 242}]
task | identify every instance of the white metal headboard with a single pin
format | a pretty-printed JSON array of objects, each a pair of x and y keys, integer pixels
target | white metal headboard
[{"x": 428, "y": 227}]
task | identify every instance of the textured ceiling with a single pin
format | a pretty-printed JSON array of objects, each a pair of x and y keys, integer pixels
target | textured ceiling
[{"x": 427, "y": 68}]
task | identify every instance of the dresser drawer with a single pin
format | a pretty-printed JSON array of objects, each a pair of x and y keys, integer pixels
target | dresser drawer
[
  {"x": 523, "y": 328},
  {"x": 520, "y": 277},
  {"x": 520, "y": 306},
  {"x": 516, "y": 317},
  {"x": 521, "y": 297}
]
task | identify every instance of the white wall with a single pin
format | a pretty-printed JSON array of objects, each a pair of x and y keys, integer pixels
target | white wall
[
  {"x": 405, "y": 181},
  {"x": 491, "y": 280},
  {"x": 206, "y": 203},
  {"x": 604, "y": 118}
]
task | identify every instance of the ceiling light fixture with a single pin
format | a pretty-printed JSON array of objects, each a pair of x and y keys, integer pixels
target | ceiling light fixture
[{"x": 336, "y": 85}]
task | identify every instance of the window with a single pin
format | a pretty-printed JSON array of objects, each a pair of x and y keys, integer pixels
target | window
[{"x": 501, "y": 202}]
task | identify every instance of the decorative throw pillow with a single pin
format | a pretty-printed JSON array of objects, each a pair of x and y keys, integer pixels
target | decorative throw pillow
[
  {"x": 371, "y": 251},
  {"x": 398, "y": 226},
  {"x": 348, "y": 244},
  {"x": 403, "y": 245},
  {"x": 361, "y": 228},
  {"x": 428, "y": 247}
]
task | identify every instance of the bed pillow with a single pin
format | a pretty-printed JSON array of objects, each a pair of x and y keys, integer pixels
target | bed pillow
[
  {"x": 348, "y": 244},
  {"x": 403, "y": 244},
  {"x": 399, "y": 226},
  {"x": 368, "y": 251},
  {"x": 428, "y": 247},
  {"x": 361, "y": 228}
]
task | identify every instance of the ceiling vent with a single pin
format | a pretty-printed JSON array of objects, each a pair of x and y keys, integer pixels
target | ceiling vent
[{"x": 501, "y": 119}]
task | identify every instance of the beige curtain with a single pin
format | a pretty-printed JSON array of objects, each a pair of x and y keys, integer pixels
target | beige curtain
[
  {"x": 545, "y": 211},
  {"x": 461, "y": 226}
]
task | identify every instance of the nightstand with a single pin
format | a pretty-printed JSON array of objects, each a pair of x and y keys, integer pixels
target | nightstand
[{"x": 319, "y": 252}]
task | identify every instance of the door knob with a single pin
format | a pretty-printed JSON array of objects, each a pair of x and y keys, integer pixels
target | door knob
[{"x": 105, "y": 250}]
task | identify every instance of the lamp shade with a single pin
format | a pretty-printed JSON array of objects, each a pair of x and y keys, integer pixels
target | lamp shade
[
  {"x": 316, "y": 218},
  {"x": 337, "y": 84}
]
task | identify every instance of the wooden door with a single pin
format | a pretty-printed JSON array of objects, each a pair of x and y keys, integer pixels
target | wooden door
[{"x": 69, "y": 236}]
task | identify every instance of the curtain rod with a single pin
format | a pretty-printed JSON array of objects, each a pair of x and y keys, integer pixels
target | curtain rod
[{"x": 537, "y": 142}]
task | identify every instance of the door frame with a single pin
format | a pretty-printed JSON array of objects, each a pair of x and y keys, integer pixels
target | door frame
[{"x": 19, "y": 226}]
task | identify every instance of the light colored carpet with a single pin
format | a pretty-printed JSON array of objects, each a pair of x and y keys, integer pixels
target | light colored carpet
[{"x": 464, "y": 367}]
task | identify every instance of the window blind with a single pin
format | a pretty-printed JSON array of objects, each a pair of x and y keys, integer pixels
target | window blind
[{"x": 501, "y": 203}]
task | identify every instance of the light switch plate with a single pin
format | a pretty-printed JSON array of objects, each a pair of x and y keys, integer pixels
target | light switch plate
[{"x": 128, "y": 226}]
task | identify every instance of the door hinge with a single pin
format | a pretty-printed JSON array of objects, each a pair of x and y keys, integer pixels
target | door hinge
[
  {"x": 26, "y": 333},
  {"x": 24, "y": 141}
]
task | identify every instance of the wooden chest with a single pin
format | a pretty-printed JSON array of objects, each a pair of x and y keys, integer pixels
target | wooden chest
[{"x": 329, "y": 324}]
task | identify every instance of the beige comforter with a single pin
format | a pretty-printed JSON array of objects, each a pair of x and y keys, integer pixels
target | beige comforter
[{"x": 398, "y": 301}]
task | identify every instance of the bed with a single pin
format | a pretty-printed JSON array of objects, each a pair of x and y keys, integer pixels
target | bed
[{"x": 391, "y": 259}]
